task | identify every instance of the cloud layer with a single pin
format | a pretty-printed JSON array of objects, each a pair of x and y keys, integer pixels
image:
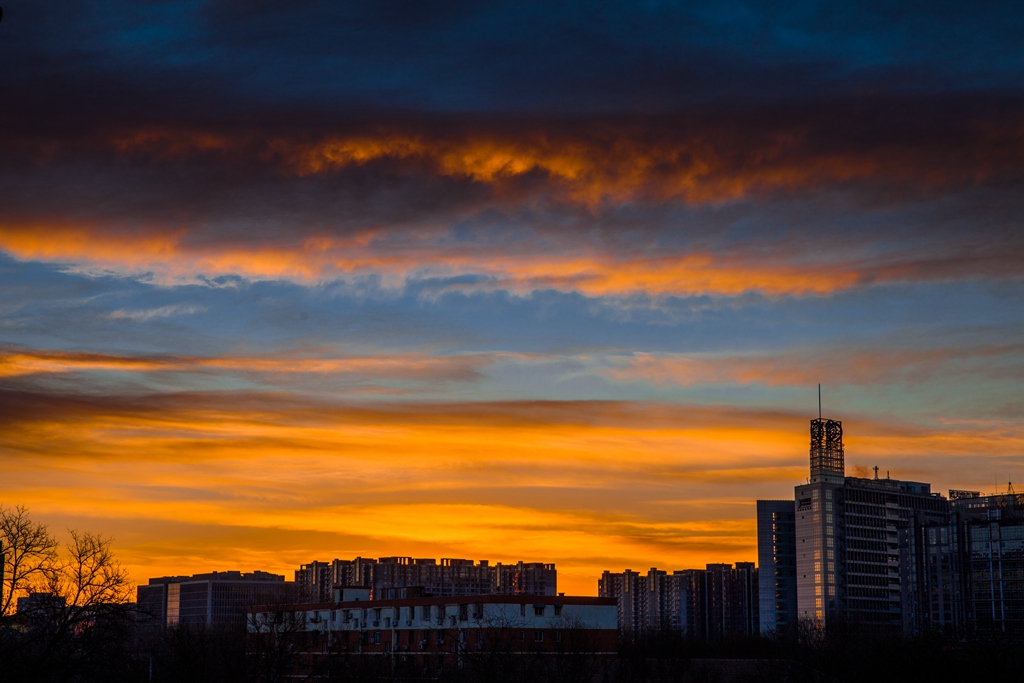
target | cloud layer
[{"x": 531, "y": 281}]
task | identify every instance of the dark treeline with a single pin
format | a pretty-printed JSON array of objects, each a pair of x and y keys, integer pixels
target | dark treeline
[{"x": 118, "y": 652}]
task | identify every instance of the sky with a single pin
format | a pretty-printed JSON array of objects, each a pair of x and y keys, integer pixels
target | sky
[{"x": 540, "y": 281}]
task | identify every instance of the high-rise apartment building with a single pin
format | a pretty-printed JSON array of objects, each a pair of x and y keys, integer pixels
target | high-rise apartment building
[
  {"x": 731, "y": 600},
  {"x": 712, "y": 603},
  {"x": 776, "y": 560},
  {"x": 630, "y": 590},
  {"x": 846, "y": 542}
]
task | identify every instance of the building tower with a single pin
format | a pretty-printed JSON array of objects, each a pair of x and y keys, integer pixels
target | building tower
[
  {"x": 827, "y": 458},
  {"x": 847, "y": 538},
  {"x": 816, "y": 528}
]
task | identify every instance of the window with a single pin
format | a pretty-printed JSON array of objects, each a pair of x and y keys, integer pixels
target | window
[
  {"x": 538, "y": 636},
  {"x": 558, "y": 636},
  {"x": 376, "y": 637},
  {"x": 463, "y": 612},
  {"x": 538, "y": 610},
  {"x": 522, "y": 636},
  {"x": 440, "y": 637},
  {"x": 522, "y": 610},
  {"x": 425, "y": 612},
  {"x": 558, "y": 610}
]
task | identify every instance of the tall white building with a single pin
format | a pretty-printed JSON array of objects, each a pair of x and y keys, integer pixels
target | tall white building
[{"x": 847, "y": 552}]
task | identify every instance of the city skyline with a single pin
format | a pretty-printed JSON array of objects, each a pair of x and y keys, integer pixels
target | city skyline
[{"x": 517, "y": 282}]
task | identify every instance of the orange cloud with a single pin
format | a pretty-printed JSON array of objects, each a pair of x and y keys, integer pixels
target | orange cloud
[
  {"x": 415, "y": 366},
  {"x": 528, "y": 268},
  {"x": 502, "y": 481},
  {"x": 805, "y": 367},
  {"x": 589, "y": 485},
  {"x": 598, "y": 161}
]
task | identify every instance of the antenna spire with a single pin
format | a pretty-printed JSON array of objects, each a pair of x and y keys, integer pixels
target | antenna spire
[{"x": 819, "y": 401}]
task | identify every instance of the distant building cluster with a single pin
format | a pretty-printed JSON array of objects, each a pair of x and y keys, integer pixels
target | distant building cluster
[
  {"x": 222, "y": 597},
  {"x": 387, "y": 576},
  {"x": 875, "y": 553},
  {"x": 886, "y": 554},
  {"x": 709, "y": 604}
]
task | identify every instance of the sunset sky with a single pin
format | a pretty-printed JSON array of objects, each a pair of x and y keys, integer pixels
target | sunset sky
[{"x": 285, "y": 281}]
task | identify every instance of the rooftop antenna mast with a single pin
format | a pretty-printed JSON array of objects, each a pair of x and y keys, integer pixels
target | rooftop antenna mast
[{"x": 819, "y": 401}]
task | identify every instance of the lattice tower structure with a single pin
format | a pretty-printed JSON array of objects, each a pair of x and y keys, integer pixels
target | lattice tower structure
[{"x": 827, "y": 456}]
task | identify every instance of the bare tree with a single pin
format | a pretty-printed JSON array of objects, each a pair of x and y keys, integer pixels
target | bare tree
[
  {"x": 80, "y": 627},
  {"x": 30, "y": 555},
  {"x": 89, "y": 576}
]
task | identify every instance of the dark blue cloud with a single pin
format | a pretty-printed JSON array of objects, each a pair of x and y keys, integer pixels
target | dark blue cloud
[{"x": 519, "y": 56}]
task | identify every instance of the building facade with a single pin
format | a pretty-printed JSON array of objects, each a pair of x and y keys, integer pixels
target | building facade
[
  {"x": 216, "y": 598},
  {"x": 447, "y": 577},
  {"x": 965, "y": 572},
  {"x": 849, "y": 545},
  {"x": 430, "y": 634},
  {"x": 776, "y": 560}
]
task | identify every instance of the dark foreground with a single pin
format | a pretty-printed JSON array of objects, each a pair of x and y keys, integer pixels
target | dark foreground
[{"x": 199, "y": 655}]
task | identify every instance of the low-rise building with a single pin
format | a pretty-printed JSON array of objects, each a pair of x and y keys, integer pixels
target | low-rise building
[
  {"x": 447, "y": 577},
  {"x": 436, "y": 633}
]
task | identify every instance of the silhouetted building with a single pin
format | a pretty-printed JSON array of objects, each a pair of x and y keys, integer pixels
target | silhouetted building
[
  {"x": 731, "y": 600},
  {"x": 965, "y": 572},
  {"x": 712, "y": 603},
  {"x": 449, "y": 577},
  {"x": 630, "y": 592},
  {"x": 207, "y": 599},
  {"x": 41, "y": 605},
  {"x": 776, "y": 559}
]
